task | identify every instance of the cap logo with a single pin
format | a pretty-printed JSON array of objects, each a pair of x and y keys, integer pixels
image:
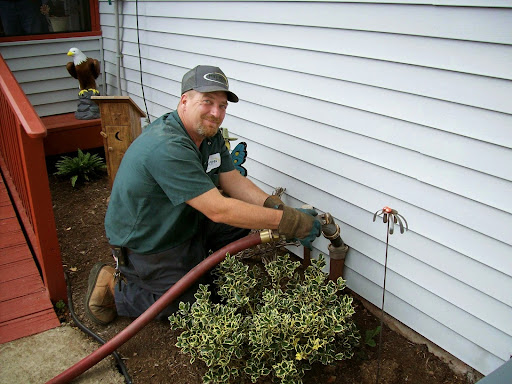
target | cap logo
[{"x": 217, "y": 77}]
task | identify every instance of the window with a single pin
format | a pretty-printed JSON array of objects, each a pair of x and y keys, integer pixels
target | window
[{"x": 47, "y": 17}]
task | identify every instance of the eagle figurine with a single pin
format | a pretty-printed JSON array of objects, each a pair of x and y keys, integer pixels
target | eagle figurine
[{"x": 85, "y": 69}]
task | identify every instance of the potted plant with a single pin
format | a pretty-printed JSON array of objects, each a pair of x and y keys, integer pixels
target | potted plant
[{"x": 55, "y": 10}]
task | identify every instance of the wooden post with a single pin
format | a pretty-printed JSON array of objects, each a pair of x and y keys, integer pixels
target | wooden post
[{"x": 120, "y": 125}]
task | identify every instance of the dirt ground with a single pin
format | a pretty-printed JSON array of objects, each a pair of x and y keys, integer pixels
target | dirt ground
[{"x": 151, "y": 356}]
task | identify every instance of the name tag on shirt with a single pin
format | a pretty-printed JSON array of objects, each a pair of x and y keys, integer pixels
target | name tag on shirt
[{"x": 213, "y": 162}]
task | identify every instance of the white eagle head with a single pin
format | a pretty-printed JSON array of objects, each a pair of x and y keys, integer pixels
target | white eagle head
[{"x": 78, "y": 56}]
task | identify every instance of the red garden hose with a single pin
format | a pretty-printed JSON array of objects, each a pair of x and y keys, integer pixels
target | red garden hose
[{"x": 167, "y": 298}]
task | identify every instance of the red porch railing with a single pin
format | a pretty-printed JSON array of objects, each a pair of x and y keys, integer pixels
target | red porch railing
[{"x": 22, "y": 161}]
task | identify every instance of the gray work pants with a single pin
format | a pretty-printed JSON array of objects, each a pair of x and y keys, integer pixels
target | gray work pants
[{"x": 148, "y": 277}]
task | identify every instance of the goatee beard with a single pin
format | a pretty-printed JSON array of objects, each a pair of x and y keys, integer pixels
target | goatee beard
[{"x": 205, "y": 131}]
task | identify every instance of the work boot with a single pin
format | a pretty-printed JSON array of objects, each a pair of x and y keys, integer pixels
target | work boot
[{"x": 100, "y": 304}]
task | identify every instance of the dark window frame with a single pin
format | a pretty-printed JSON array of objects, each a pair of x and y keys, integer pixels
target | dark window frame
[{"x": 95, "y": 29}]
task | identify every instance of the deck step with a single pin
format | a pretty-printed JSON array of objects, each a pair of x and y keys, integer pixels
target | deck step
[{"x": 25, "y": 306}]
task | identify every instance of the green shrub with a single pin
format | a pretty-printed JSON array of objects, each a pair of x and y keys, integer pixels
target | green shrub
[
  {"x": 60, "y": 305},
  {"x": 269, "y": 323},
  {"x": 84, "y": 166}
]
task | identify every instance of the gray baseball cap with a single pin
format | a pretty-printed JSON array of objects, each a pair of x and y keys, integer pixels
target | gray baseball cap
[{"x": 205, "y": 78}]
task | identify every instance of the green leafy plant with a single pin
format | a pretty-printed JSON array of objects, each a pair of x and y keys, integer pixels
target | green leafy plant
[
  {"x": 60, "y": 309},
  {"x": 270, "y": 322},
  {"x": 369, "y": 336},
  {"x": 60, "y": 305},
  {"x": 83, "y": 166}
]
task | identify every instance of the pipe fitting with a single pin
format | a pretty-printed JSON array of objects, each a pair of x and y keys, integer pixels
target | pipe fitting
[
  {"x": 337, "y": 253},
  {"x": 268, "y": 236},
  {"x": 337, "y": 261},
  {"x": 332, "y": 233},
  {"x": 331, "y": 230}
]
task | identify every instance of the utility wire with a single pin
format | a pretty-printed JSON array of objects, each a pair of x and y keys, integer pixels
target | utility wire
[{"x": 140, "y": 59}]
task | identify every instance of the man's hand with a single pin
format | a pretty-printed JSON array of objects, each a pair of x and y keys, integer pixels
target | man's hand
[
  {"x": 274, "y": 202},
  {"x": 300, "y": 224}
]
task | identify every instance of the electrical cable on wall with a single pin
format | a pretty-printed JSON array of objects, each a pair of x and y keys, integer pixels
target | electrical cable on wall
[{"x": 140, "y": 59}]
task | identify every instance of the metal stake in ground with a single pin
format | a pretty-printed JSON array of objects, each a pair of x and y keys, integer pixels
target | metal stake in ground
[{"x": 390, "y": 217}]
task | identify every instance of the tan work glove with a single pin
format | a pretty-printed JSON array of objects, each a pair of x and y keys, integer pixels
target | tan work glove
[
  {"x": 300, "y": 224},
  {"x": 274, "y": 202}
]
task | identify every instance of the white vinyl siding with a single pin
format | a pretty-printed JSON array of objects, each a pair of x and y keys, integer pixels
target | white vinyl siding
[
  {"x": 352, "y": 106},
  {"x": 40, "y": 68}
]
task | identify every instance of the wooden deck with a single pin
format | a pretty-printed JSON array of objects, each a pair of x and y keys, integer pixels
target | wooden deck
[{"x": 25, "y": 307}]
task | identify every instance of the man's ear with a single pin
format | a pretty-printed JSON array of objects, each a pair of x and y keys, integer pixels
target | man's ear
[{"x": 189, "y": 95}]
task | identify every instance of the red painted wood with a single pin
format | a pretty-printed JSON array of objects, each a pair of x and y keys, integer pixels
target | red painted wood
[
  {"x": 42, "y": 221},
  {"x": 17, "y": 270},
  {"x": 68, "y": 134},
  {"x": 62, "y": 35},
  {"x": 67, "y": 121},
  {"x": 23, "y": 286},
  {"x": 7, "y": 211},
  {"x": 14, "y": 254},
  {"x": 8, "y": 225},
  {"x": 18, "y": 101},
  {"x": 23, "y": 166},
  {"x": 24, "y": 306},
  {"x": 27, "y": 326},
  {"x": 95, "y": 15},
  {"x": 23, "y": 170},
  {"x": 4, "y": 197},
  {"x": 11, "y": 239}
]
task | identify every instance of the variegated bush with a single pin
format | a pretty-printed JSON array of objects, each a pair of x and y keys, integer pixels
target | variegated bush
[{"x": 273, "y": 323}]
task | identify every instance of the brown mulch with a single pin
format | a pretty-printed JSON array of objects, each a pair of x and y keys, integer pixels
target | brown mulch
[{"x": 151, "y": 357}]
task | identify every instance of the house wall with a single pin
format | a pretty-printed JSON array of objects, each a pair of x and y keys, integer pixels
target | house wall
[
  {"x": 40, "y": 68},
  {"x": 352, "y": 106}
]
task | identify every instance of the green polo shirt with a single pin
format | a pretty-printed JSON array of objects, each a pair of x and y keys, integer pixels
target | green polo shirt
[{"x": 161, "y": 170}]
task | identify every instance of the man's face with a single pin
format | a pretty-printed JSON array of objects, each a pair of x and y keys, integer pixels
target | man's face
[{"x": 205, "y": 112}]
